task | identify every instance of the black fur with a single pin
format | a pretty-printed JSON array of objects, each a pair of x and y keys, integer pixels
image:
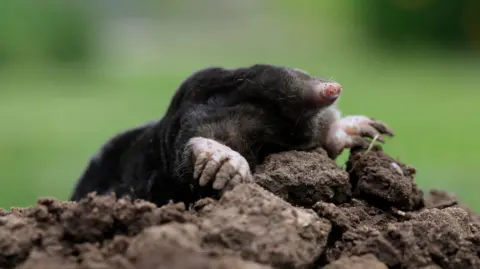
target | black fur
[{"x": 255, "y": 110}]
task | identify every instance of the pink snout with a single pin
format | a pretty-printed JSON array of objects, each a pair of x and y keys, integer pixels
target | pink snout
[
  {"x": 327, "y": 92},
  {"x": 332, "y": 90}
]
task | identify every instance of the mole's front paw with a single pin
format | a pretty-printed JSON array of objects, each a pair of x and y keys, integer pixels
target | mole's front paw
[
  {"x": 353, "y": 131},
  {"x": 217, "y": 163}
]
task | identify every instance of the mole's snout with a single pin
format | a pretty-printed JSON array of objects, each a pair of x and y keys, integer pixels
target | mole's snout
[
  {"x": 327, "y": 92},
  {"x": 332, "y": 90}
]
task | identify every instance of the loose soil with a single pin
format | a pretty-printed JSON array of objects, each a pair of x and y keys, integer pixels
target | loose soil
[{"x": 303, "y": 212}]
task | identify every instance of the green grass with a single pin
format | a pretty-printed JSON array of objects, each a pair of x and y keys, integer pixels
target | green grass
[{"x": 51, "y": 127}]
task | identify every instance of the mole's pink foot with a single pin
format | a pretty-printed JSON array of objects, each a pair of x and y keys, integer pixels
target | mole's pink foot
[
  {"x": 353, "y": 131},
  {"x": 218, "y": 164}
]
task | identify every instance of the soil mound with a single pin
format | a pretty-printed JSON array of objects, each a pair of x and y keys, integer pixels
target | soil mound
[{"x": 303, "y": 212}]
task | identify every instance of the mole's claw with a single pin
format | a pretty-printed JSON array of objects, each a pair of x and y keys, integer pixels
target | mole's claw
[
  {"x": 199, "y": 164},
  {"x": 380, "y": 139},
  {"x": 367, "y": 130},
  {"x": 352, "y": 131},
  {"x": 218, "y": 164},
  {"x": 358, "y": 141},
  {"x": 382, "y": 128}
]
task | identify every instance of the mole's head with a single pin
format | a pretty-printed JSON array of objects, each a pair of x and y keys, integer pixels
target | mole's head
[{"x": 290, "y": 88}]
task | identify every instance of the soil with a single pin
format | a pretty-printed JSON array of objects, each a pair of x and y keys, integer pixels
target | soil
[{"x": 304, "y": 211}]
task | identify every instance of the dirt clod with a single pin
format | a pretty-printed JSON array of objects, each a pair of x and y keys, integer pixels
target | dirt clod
[
  {"x": 257, "y": 225},
  {"x": 303, "y": 212},
  {"x": 303, "y": 178},
  {"x": 381, "y": 180},
  {"x": 367, "y": 261},
  {"x": 440, "y": 199}
]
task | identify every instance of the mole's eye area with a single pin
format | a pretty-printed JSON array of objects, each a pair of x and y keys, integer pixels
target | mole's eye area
[{"x": 326, "y": 93}]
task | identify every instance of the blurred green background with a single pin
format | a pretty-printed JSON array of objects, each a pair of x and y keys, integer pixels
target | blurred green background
[{"x": 73, "y": 73}]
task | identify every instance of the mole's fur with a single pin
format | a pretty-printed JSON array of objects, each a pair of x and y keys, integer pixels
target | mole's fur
[{"x": 219, "y": 125}]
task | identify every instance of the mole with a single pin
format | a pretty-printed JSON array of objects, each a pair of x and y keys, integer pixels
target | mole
[{"x": 220, "y": 124}]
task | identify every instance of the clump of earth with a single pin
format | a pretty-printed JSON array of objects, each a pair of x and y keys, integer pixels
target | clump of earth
[{"x": 304, "y": 211}]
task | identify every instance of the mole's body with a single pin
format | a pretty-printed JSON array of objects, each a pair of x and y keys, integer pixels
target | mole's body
[{"x": 220, "y": 124}]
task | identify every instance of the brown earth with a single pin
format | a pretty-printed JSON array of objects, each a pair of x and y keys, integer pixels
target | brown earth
[{"x": 304, "y": 212}]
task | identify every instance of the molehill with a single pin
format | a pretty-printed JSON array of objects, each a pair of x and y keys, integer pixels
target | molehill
[{"x": 303, "y": 212}]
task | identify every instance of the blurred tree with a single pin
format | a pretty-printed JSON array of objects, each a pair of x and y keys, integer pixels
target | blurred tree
[
  {"x": 439, "y": 23},
  {"x": 67, "y": 33},
  {"x": 45, "y": 32}
]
